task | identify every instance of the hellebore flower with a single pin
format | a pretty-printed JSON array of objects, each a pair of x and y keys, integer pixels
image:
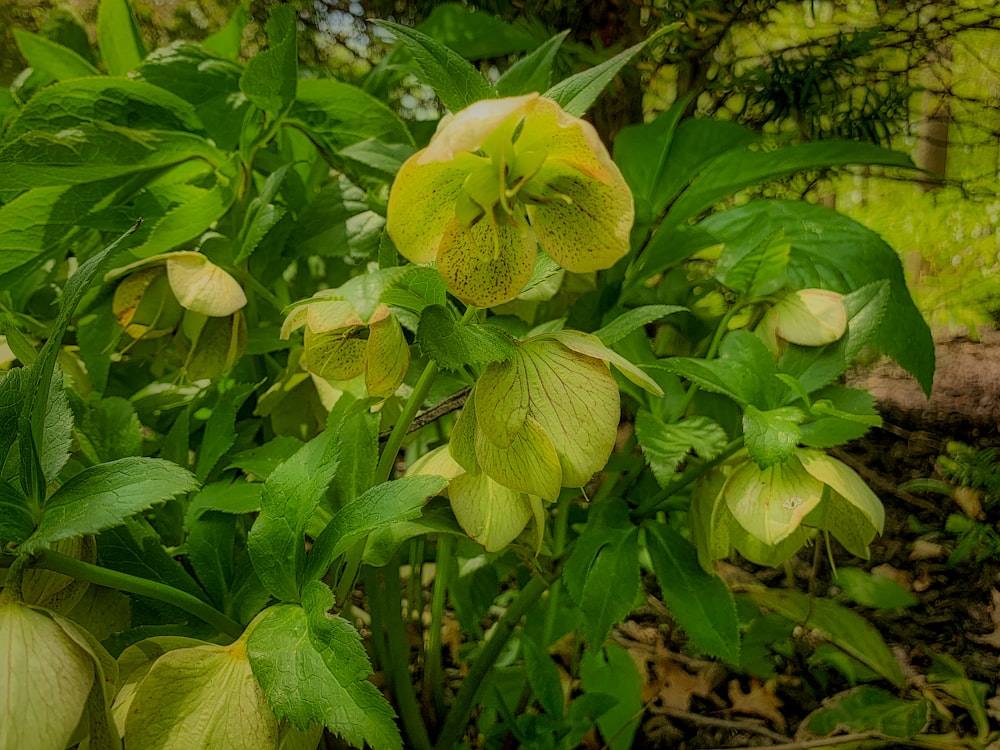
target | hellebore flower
[
  {"x": 187, "y": 294},
  {"x": 499, "y": 179},
  {"x": 546, "y": 418},
  {"x": 807, "y": 317},
  {"x": 488, "y": 512},
  {"x": 769, "y": 513},
  {"x": 339, "y": 345}
]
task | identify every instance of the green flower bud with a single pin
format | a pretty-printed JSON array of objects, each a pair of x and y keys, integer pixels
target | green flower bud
[
  {"x": 339, "y": 345},
  {"x": 499, "y": 179},
  {"x": 47, "y": 677},
  {"x": 807, "y": 317}
]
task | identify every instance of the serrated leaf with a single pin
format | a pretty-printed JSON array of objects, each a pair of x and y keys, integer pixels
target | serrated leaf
[
  {"x": 604, "y": 605},
  {"x": 118, "y": 37},
  {"x": 220, "y": 428},
  {"x": 533, "y": 72},
  {"x": 342, "y": 115},
  {"x": 607, "y": 523},
  {"x": 16, "y": 521},
  {"x": 872, "y": 590},
  {"x": 292, "y": 492},
  {"x": 270, "y": 78},
  {"x": 12, "y": 385},
  {"x": 612, "y": 672},
  {"x": 867, "y": 708},
  {"x": 473, "y": 34},
  {"x": 390, "y": 502},
  {"x": 456, "y": 82},
  {"x": 103, "y": 496},
  {"x": 209, "y": 548},
  {"x": 417, "y": 289},
  {"x": 454, "y": 345},
  {"x": 95, "y": 151},
  {"x": 841, "y": 626},
  {"x": 758, "y": 271},
  {"x": 576, "y": 93},
  {"x": 770, "y": 436},
  {"x": 52, "y": 58},
  {"x": 665, "y": 445},
  {"x": 313, "y": 669},
  {"x": 58, "y": 429},
  {"x": 543, "y": 676},
  {"x": 633, "y": 319},
  {"x": 109, "y": 429},
  {"x": 700, "y": 602}
]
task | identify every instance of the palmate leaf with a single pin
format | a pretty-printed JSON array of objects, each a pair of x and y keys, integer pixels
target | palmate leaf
[
  {"x": 665, "y": 445},
  {"x": 104, "y": 495},
  {"x": 454, "y": 346},
  {"x": 313, "y": 669}
]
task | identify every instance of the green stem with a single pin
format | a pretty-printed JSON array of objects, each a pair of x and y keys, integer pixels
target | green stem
[
  {"x": 653, "y": 503},
  {"x": 713, "y": 349},
  {"x": 388, "y": 459},
  {"x": 398, "y": 665},
  {"x": 465, "y": 701},
  {"x": 433, "y": 688},
  {"x": 559, "y": 533},
  {"x": 49, "y": 560}
]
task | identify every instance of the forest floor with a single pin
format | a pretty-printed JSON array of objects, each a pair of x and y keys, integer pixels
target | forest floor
[{"x": 693, "y": 704}]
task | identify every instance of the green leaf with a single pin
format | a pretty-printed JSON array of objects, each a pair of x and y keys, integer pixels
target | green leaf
[
  {"x": 543, "y": 676},
  {"x": 103, "y": 496},
  {"x": 228, "y": 41},
  {"x": 338, "y": 222},
  {"x": 841, "y": 626},
  {"x": 16, "y": 522},
  {"x": 666, "y": 445},
  {"x": 96, "y": 151},
  {"x": 576, "y": 93},
  {"x": 607, "y": 523},
  {"x": 271, "y": 76},
  {"x": 757, "y": 272},
  {"x": 57, "y": 429},
  {"x": 634, "y": 319},
  {"x": 233, "y": 497},
  {"x": 220, "y": 429},
  {"x": 741, "y": 167},
  {"x": 867, "y": 708},
  {"x": 342, "y": 115},
  {"x": 841, "y": 414},
  {"x": 436, "y": 517},
  {"x": 872, "y": 590},
  {"x": 771, "y": 436},
  {"x": 744, "y": 371},
  {"x": 313, "y": 669},
  {"x": 209, "y": 547},
  {"x": 456, "y": 82},
  {"x": 948, "y": 675},
  {"x": 604, "y": 605},
  {"x": 262, "y": 215},
  {"x": 262, "y": 460},
  {"x": 291, "y": 493},
  {"x": 419, "y": 288},
  {"x": 612, "y": 671},
  {"x": 390, "y": 502},
  {"x": 831, "y": 251},
  {"x": 533, "y": 72},
  {"x": 700, "y": 602},
  {"x": 358, "y": 453},
  {"x": 454, "y": 345},
  {"x": 474, "y": 34},
  {"x": 59, "y": 62},
  {"x": 12, "y": 385},
  {"x": 108, "y": 429},
  {"x": 118, "y": 37},
  {"x": 141, "y": 105}
]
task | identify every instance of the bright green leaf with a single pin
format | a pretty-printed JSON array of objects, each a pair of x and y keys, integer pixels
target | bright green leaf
[
  {"x": 533, "y": 72},
  {"x": 454, "y": 345},
  {"x": 475, "y": 34},
  {"x": 873, "y": 591},
  {"x": 771, "y": 436},
  {"x": 59, "y": 62},
  {"x": 118, "y": 37},
  {"x": 271, "y": 76},
  {"x": 666, "y": 445},
  {"x": 633, "y": 319},
  {"x": 612, "y": 672},
  {"x": 868, "y": 709}
]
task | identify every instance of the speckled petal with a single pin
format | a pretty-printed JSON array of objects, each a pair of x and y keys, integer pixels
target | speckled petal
[
  {"x": 387, "y": 356},
  {"x": 487, "y": 264},
  {"x": 336, "y": 355}
]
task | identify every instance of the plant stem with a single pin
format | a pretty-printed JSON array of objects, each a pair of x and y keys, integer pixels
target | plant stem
[
  {"x": 433, "y": 689},
  {"x": 388, "y": 458},
  {"x": 465, "y": 700},
  {"x": 654, "y": 503},
  {"x": 398, "y": 666},
  {"x": 70, "y": 566},
  {"x": 559, "y": 532}
]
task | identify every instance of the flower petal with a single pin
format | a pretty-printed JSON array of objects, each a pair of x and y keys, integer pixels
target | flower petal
[
  {"x": 501, "y": 398},
  {"x": 591, "y": 346},
  {"x": 811, "y": 317},
  {"x": 490, "y": 513},
  {"x": 530, "y": 464},
  {"x": 387, "y": 357},
  {"x": 330, "y": 315},
  {"x": 465, "y": 131},
  {"x": 203, "y": 287},
  {"x": 843, "y": 480},
  {"x": 771, "y": 503},
  {"x": 336, "y": 355},
  {"x": 487, "y": 264}
]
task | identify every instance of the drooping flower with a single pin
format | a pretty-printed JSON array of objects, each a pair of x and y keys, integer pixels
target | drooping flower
[
  {"x": 546, "y": 418},
  {"x": 807, "y": 317},
  {"x": 184, "y": 293},
  {"x": 339, "y": 345},
  {"x": 499, "y": 179}
]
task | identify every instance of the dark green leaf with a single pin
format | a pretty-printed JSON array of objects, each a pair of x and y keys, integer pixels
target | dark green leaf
[
  {"x": 700, "y": 602},
  {"x": 270, "y": 78},
  {"x": 358, "y": 454},
  {"x": 758, "y": 272},
  {"x": 608, "y": 523},
  {"x": 105, "y": 495},
  {"x": 419, "y": 288},
  {"x": 666, "y": 445},
  {"x": 612, "y": 672},
  {"x": 387, "y": 503},
  {"x": 872, "y": 590},
  {"x": 456, "y": 82},
  {"x": 337, "y": 222},
  {"x": 342, "y": 115},
  {"x": 843, "y": 627},
  {"x": 108, "y": 429},
  {"x": 313, "y": 669},
  {"x": 96, "y": 151},
  {"x": 543, "y": 676},
  {"x": 576, "y": 93},
  {"x": 948, "y": 675},
  {"x": 634, "y": 319},
  {"x": 16, "y": 522},
  {"x": 454, "y": 345},
  {"x": 236, "y": 497},
  {"x": 603, "y": 605},
  {"x": 58, "y": 429},
  {"x": 831, "y": 251},
  {"x": 533, "y": 72},
  {"x": 122, "y": 48},
  {"x": 220, "y": 429},
  {"x": 291, "y": 493},
  {"x": 53, "y": 59},
  {"x": 262, "y": 460},
  {"x": 209, "y": 547},
  {"x": 435, "y": 518},
  {"x": 868, "y": 709},
  {"x": 475, "y": 34}
]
